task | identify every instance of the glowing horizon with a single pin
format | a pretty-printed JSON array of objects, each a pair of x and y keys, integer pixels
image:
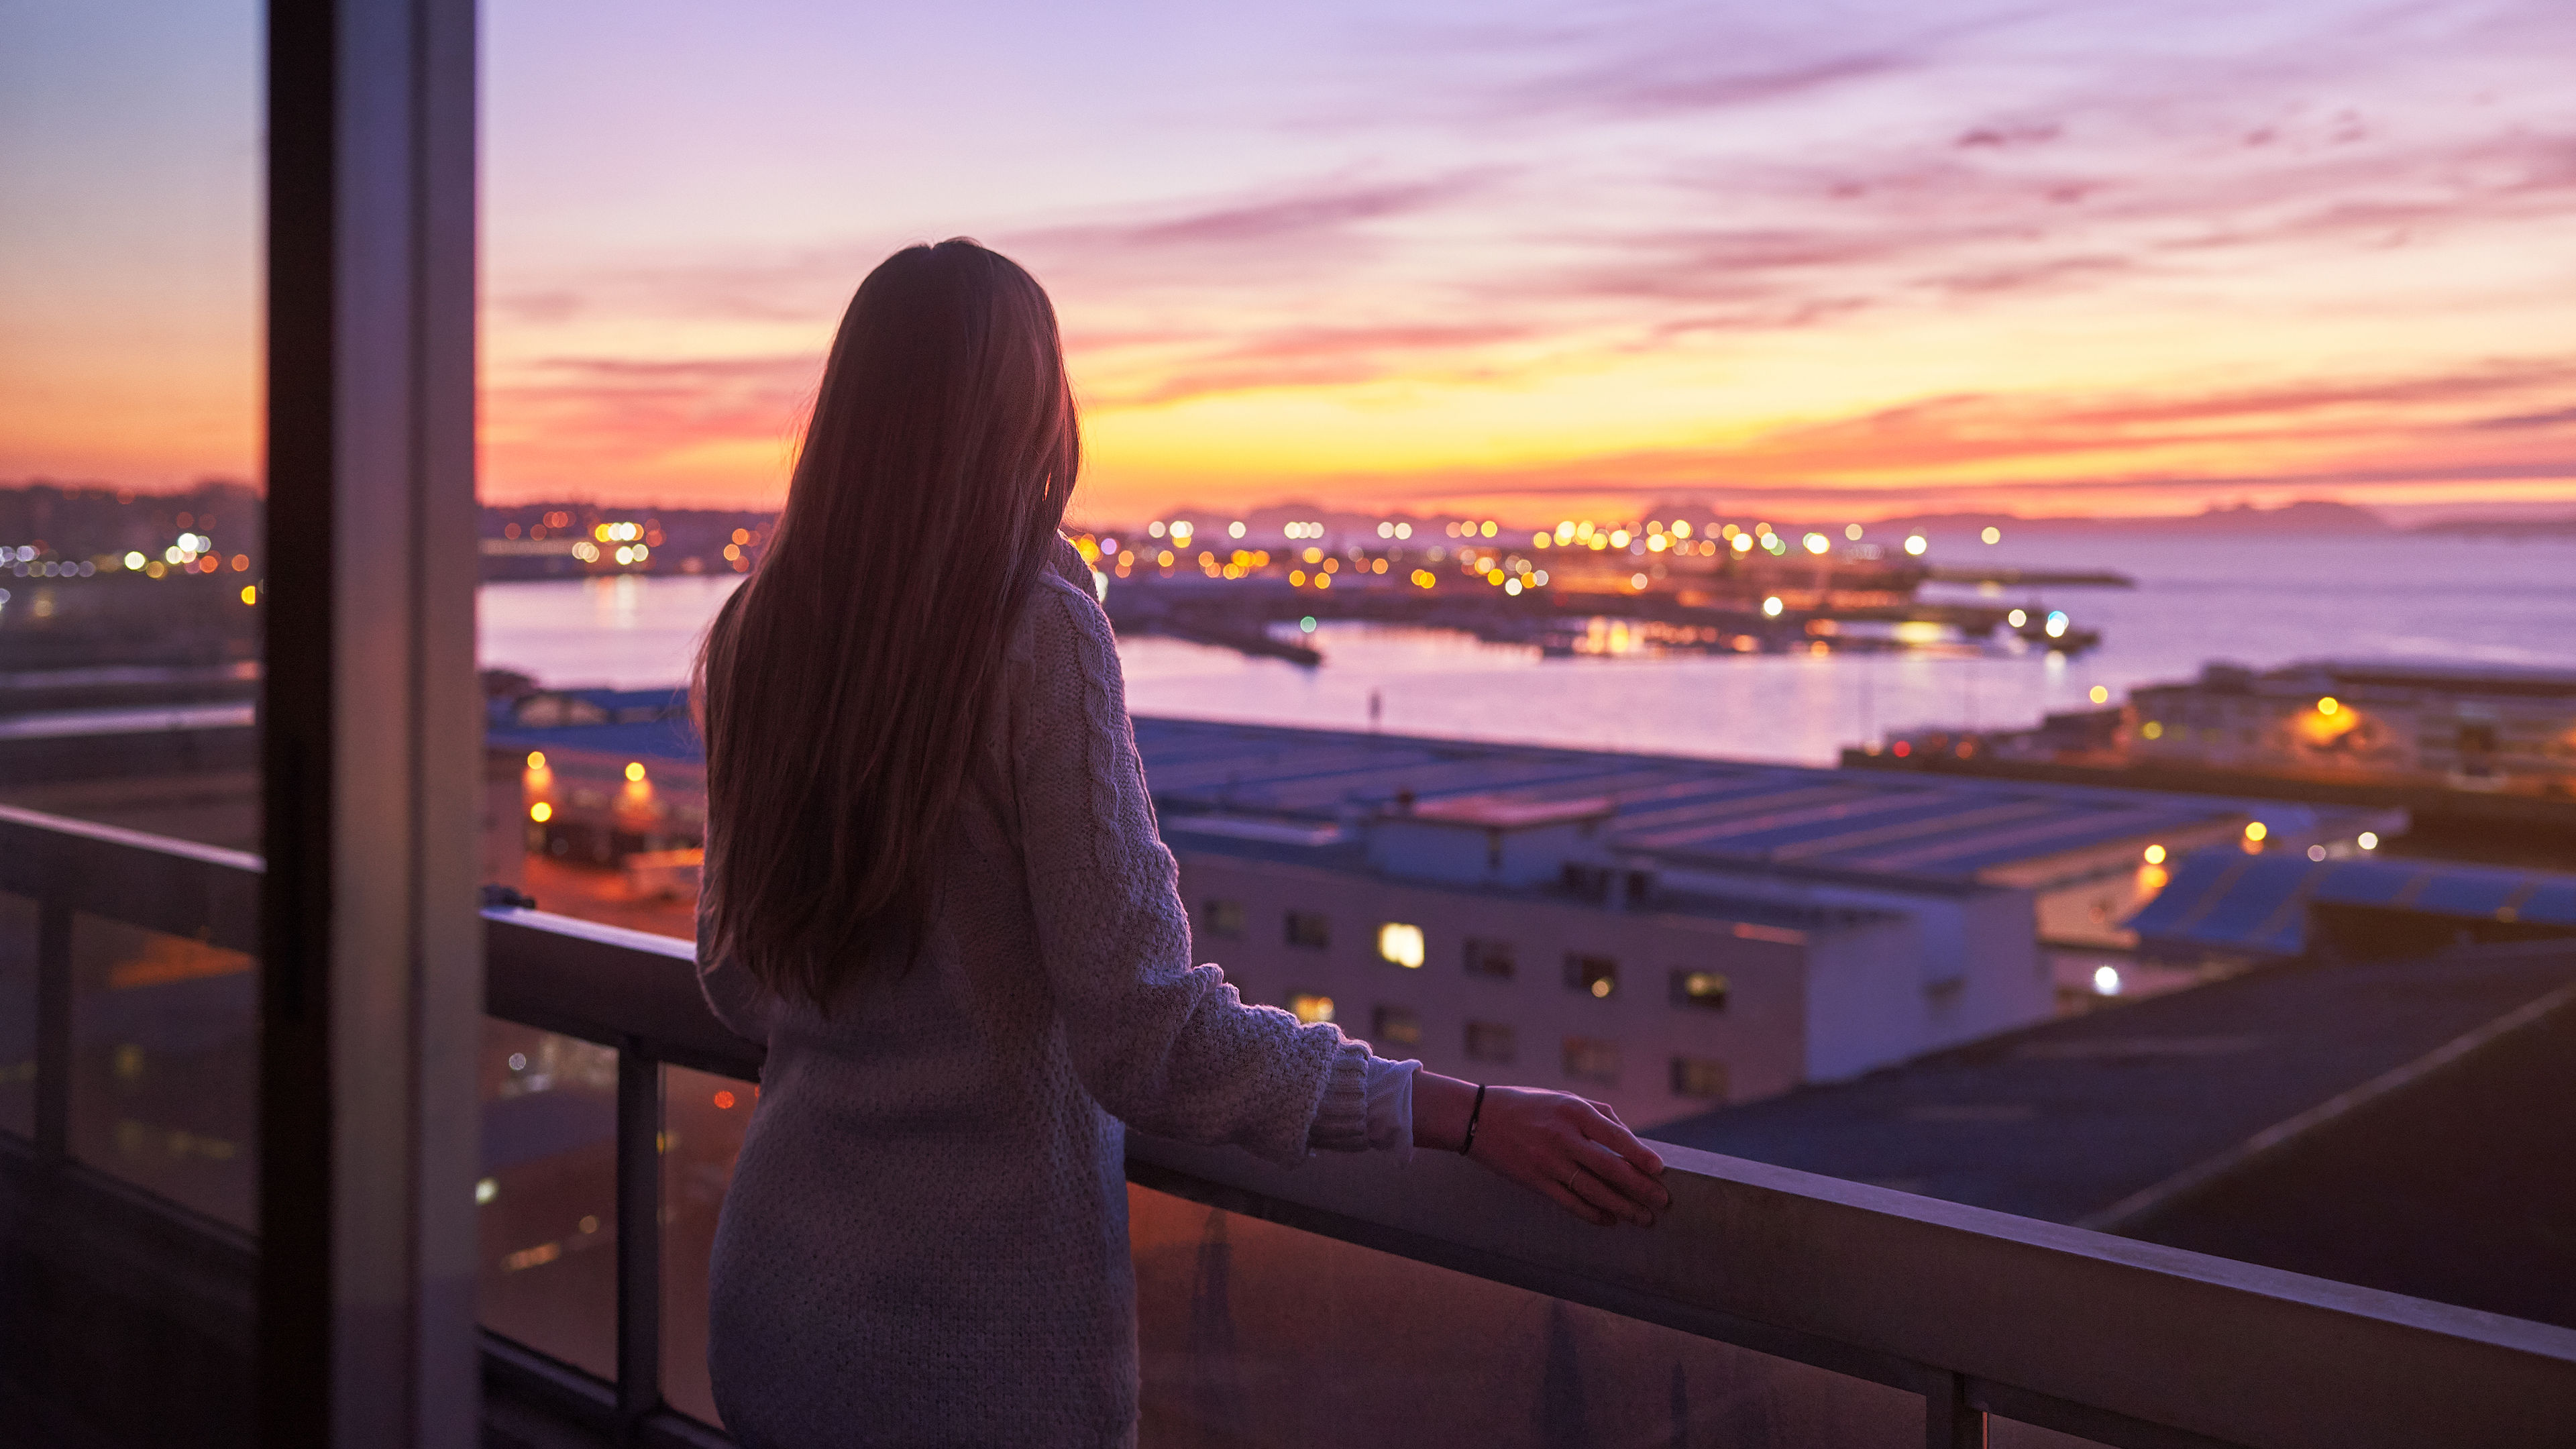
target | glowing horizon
[{"x": 1854, "y": 261}]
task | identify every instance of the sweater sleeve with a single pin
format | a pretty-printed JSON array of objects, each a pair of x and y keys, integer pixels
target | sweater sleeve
[
  {"x": 1166, "y": 1046},
  {"x": 736, "y": 999}
]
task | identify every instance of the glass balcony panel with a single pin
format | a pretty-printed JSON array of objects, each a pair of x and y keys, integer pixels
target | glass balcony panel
[
  {"x": 548, "y": 1194},
  {"x": 1254, "y": 1334},
  {"x": 165, "y": 1066},
  {"x": 17, "y": 1015},
  {"x": 132, "y": 536},
  {"x": 703, "y": 1117}
]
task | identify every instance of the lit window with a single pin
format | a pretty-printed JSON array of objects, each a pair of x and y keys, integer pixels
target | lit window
[
  {"x": 1224, "y": 918},
  {"x": 1396, "y": 1026},
  {"x": 1699, "y": 1077},
  {"x": 1487, "y": 956},
  {"x": 1309, "y": 1007},
  {"x": 1488, "y": 1041},
  {"x": 1592, "y": 1059},
  {"x": 1703, "y": 989},
  {"x": 1312, "y": 930},
  {"x": 1400, "y": 944},
  {"x": 1596, "y": 976}
]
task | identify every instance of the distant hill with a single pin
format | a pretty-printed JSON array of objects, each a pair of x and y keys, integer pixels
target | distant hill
[
  {"x": 2501, "y": 527},
  {"x": 2306, "y": 516}
]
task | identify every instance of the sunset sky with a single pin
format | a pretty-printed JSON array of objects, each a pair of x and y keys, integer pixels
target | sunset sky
[{"x": 1832, "y": 259}]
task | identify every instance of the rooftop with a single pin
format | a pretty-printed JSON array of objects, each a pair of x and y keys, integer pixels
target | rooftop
[
  {"x": 1290, "y": 785},
  {"x": 2080, "y": 1120},
  {"x": 2258, "y": 905}
]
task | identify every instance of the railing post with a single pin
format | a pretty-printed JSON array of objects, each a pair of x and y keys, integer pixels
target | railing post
[
  {"x": 1949, "y": 1420},
  {"x": 53, "y": 1032},
  {"x": 639, "y": 1235}
]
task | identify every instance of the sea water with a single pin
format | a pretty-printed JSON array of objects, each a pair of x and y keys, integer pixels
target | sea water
[{"x": 2255, "y": 601}]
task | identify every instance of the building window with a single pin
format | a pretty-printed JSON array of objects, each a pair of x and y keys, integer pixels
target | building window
[
  {"x": 1224, "y": 918},
  {"x": 1310, "y": 929},
  {"x": 1398, "y": 1026},
  {"x": 1488, "y": 1041},
  {"x": 1593, "y": 975},
  {"x": 1703, "y": 989},
  {"x": 1591, "y": 1059},
  {"x": 1699, "y": 1077},
  {"x": 1400, "y": 944},
  {"x": 1487, "y": 956},
  {"x": 1310, "y": 1007}
]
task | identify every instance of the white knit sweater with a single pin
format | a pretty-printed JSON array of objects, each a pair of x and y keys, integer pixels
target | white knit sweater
[{"x": 925, "y": 1241}]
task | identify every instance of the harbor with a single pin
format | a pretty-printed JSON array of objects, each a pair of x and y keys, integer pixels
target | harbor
[{"x": 1578, "y": 590}]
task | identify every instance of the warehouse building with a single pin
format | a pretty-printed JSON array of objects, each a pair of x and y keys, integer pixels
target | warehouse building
[{"x": 1657, "y": 932}]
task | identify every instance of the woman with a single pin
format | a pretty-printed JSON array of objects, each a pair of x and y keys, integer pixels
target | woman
[{"x": 936, "y": 891}]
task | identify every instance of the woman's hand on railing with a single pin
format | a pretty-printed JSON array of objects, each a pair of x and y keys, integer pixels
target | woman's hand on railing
[{"x": 1576, "y": 1153}]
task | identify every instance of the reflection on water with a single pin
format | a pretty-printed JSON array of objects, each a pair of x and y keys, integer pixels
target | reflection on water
[{"x": 2260, "y": 602}]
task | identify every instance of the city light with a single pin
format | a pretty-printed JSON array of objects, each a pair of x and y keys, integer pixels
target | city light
[
  {"x": 1852, "y": 531},
  {"x": 1742, "y": 543},
  {"x": 1311, "y": 1008},
  {"x": 2057, "y": 623},
  {"x": 1817, "y": 543},
  {"x": 1601, "y": 988},
  {"x": 2255, "y": 832},
  {"x": 134, "y": 561},
  {"x": 2329, "y": 705},
  {"x": 2100, "y": 694},
  {"x": 2152, "y": 729},
  {"x": 2155, "y": 855},
  {"x": 486, "y": 1189},
  {"x": 2367, "y": 840},
  {"x": 1915, "y": 544},
  {"x": 2016, "y": 618},
  {"x": 2106, "y": 980},
  {"x": 541, "y": 812},
  {"x": 1235, "y": 529},
  {"x": 2316, "y": 852},
  {"x": 536, "y": 759},
  {"x": 1771, "y": 607},
  {"x": 1992, "y": 534},
  {"x": 1400, "y": 944},
  {"x": 250, "y": 593},
  {"x": 635, "y": 770},
  {"x": 1306, "y": 625}
]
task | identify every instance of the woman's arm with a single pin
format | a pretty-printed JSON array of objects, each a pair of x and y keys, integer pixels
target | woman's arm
[
  {"x": 1575, "y": 1153},
  {"x": 1163, "y": 1044}
]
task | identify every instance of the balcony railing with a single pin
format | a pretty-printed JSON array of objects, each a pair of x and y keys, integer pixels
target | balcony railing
[{"x": 1832, "y": 1311}]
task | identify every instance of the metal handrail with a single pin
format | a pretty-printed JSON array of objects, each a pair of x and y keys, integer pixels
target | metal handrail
[{"x": 2123, "y": 1342}]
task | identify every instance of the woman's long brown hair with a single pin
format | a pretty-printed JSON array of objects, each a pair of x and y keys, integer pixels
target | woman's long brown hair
[{"x": 844, "y": 688}]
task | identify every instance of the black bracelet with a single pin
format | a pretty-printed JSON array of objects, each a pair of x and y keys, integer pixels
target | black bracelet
[{"x": 1473, "y": 1113}]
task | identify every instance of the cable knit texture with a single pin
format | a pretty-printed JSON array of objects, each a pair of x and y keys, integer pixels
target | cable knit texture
[{"x": 925, "y": 1241}]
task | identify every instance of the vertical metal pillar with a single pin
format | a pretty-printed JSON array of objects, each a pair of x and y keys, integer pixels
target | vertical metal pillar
[
  {"x": 1949, "y": 1420},
  {"x": 371, "y": 957},
  {"x": 53, "y": 1032},
  {"x": 639, "y": 1234}
]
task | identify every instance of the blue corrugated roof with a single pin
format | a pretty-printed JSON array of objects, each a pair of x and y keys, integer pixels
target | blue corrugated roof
[
  {"x": 2225, "y": 900},
  {"x": 1924, "y": 826}
]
